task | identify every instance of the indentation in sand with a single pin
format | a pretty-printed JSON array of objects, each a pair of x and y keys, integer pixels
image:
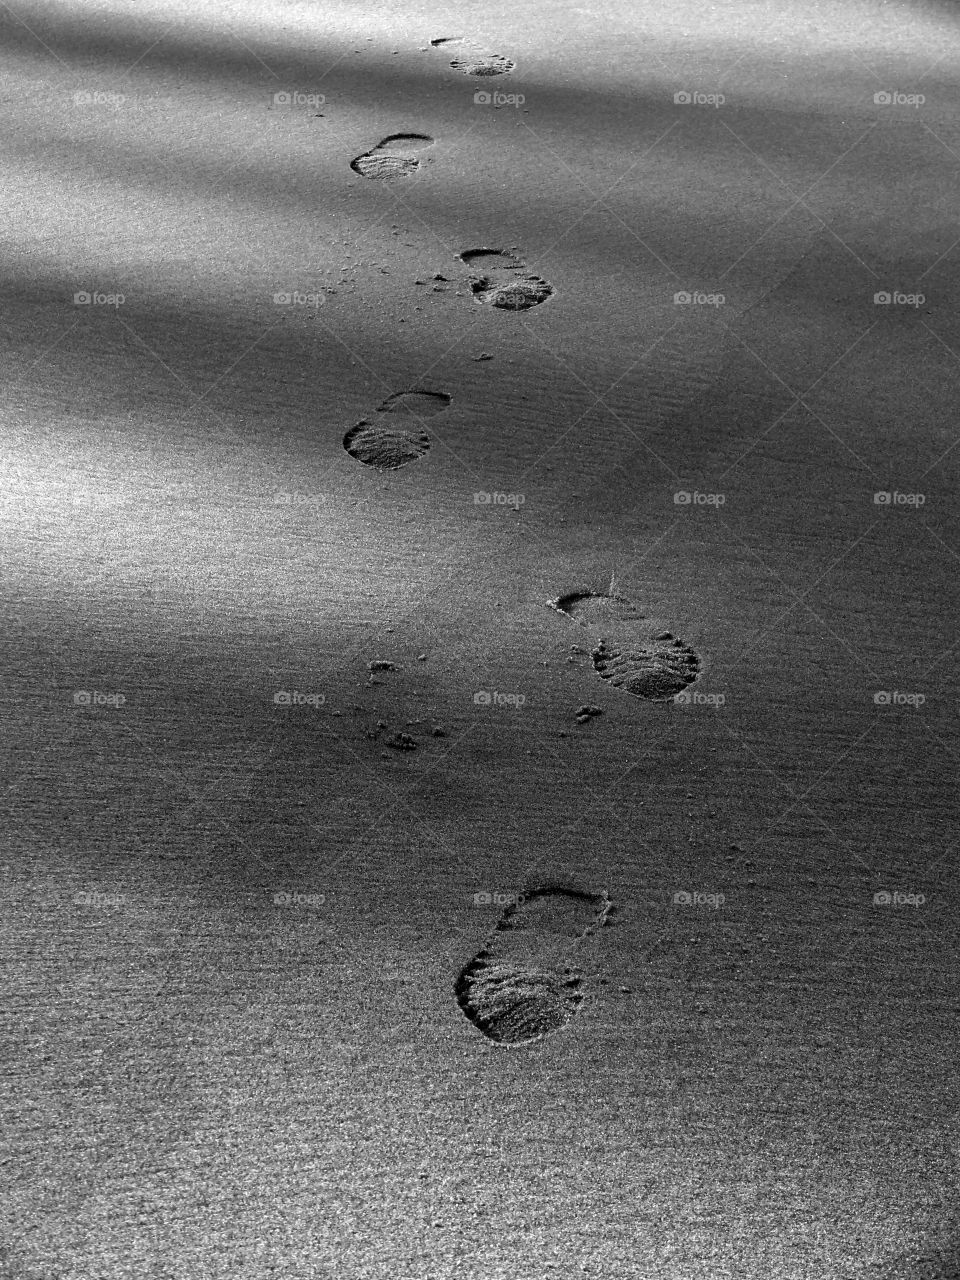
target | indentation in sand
[
  {"x": 393, "y": 157},
  {"x": 597, "y": 609},
  {"x": 416, "y": 403},
  {"x": 656, "y": 671},
  {"x": 522, "y": 986},
  {"x": 500, "y": 278},
  {"x": 483, "y": 64},
  {"x": 387, "y": 444},
  {"x": 643, "y": 659},
  {"x": 386, "y": 447}
]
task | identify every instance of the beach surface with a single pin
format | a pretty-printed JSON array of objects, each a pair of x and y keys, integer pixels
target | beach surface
[{"x": 480, "y": 541}]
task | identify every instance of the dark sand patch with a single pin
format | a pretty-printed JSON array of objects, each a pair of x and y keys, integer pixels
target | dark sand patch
[
  {"x": 521, "y": 986},
  {"x": 393, "y": 157}
]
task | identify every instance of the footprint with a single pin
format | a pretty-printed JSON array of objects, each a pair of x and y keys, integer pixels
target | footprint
[
  {"x": 594, "y": 610},
  {"x": 657, "y": 670},
  {"x": 385, "y": 447},
  {"x": 644, "y": 660},
  {"x": 521, "y": 985},
  {"x": 395, "y": 156},
  {"x": 483, "y": 64},
  {"x": 417, "y": 403},
  {"x": 389, "y": 446},
  {"x": 500, "y": 278}
]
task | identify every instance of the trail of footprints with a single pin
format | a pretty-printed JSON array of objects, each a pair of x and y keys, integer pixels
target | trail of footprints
[{"x": 523, "y": 984}]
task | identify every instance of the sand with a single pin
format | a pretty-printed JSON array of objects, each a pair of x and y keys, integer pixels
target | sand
[{"x": 370, "y": 374}]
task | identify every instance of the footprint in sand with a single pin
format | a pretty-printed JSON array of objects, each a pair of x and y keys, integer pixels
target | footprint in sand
[
  {"x": 483, "y": 64},
  {"x": 642, "y": 658},
  {"x": 475, "y": 63},
  {"x": 394, "y": 157},
  {"x": 522, "y": 984},
  {"x": 500, "y": 278},
  {"x": 388, "y": 444}
]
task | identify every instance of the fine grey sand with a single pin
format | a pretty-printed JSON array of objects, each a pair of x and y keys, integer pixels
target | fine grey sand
[{"x": 449, "y": 454}]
